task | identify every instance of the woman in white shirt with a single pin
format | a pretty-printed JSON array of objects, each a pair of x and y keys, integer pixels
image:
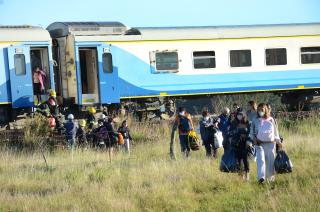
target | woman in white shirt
[{"x": 264, "y": 134}]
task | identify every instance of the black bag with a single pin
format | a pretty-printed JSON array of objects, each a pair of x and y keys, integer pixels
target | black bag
[
  {"x": 282, "y": 163},
  {"x": 229, "y": 162}
]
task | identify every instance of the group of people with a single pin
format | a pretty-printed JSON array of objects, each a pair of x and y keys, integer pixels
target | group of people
[
  {"x": 90, "y": 131},
  {"x": 253, "y": 132},
  {"x": 101, "y": 135}
]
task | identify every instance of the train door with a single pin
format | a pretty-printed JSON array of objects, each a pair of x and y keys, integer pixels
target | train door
[
  {"x": 20, "y": 76},
  {"x": 87, "y": 58},
  {"x": 108, "y": 76},
  {"x": 40, "y": 59}
]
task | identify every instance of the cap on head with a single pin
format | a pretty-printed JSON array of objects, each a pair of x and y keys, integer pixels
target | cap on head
[
  {"x": 53, "y": 93},
  {"x": 92, "y": 110},
  {"x": 70, "y": 117},
  {"x": 82, "y": 123},
  {"x": 102, "y": 116}
]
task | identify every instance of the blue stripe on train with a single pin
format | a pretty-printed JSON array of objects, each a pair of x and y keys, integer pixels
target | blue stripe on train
[{"x": 136, "y": 78}]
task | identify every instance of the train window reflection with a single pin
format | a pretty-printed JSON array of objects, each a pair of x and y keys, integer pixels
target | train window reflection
[
  {"x": 204, "y": 59},
  {"x": 276, "y": 56},
  {"x": 19, "y": 64},
  {"x": 167, "y": 61},
  {"x": 107, "y": 63},
  {"x": 310, "y": 55},
  {"x": 240, "y": 58}
]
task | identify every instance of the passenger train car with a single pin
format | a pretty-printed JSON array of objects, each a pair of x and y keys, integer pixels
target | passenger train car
[
  {"x": 108, "y": 63},
  {"x": 22, "y": 48}
]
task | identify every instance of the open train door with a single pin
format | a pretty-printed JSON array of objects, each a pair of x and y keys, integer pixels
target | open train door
[
  {"x": 20, "y": 76},
  {"x": 108, "y": 76}
]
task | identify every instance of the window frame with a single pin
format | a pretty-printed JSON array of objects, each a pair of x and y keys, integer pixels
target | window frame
[
  {"x": 265, "y": 58},
  {"x": 153, "y": 62},
  {"x": 300, "y": 54},
  {"x": 24, "y": 65},
  {"x": 106, "y": 71},
  {"x": 193, "y": 58},
  {"x": 229, "y": 57}
]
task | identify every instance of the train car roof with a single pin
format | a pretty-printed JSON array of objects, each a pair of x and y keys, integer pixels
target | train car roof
[
  {"x": 61, "y": 29},
  {"x": 208, "y": 32},
  {"x": 23, "y": 33}
]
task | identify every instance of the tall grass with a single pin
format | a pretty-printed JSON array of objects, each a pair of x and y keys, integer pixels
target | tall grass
[{"x": 147, "y": 180}]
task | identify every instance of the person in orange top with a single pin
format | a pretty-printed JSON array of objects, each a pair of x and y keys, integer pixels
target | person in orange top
[{"x": 183, "y": 123}]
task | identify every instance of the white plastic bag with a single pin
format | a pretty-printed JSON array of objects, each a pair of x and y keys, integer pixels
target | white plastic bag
[{"x": 218, "y": 139}]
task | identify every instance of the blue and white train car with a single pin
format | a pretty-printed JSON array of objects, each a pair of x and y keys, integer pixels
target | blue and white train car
[
  {"x": 107, "y": 62},
  {"x": 22, "y": 48}
]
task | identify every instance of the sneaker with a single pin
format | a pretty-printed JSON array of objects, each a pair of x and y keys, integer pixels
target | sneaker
[{"x": 261, "y": 181}]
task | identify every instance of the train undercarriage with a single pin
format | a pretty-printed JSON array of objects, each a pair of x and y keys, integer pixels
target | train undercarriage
[{"x": 163, "y": 108}]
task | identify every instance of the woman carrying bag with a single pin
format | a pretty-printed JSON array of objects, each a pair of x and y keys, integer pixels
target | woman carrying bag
[{"x": 265, "y": 135}]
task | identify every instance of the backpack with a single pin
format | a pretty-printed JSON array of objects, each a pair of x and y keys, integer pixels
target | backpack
[
  {"x": 266, "y": 130},
  {"x": 218, "y": 139},
  {"x": 184, "y": 124},
  {"x": 120, "y": 139},
  {"x": 193, "y": 141}
]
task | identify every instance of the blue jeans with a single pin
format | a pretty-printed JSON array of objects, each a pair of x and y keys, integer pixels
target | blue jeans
[{"x": 184, "y": 144}]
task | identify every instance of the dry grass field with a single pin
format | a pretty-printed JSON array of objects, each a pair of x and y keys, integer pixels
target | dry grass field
[{"x": 147, "y": 180}]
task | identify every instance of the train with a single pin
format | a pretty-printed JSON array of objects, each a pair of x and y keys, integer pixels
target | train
[{"x": 145, "y": 69}]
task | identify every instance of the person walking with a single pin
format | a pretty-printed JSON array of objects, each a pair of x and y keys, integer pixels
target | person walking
[
  {"x": 224, "y": 126},
  {"x": 265, "y": 134},
  {"x": 208, "y": 128},
  {"x": 239, "y": 132},
  {"x": 71, "y": 131},
  {"x": 252, "y": 112},
  {"x": 183, "y": 123},
  {"x": 125, "y": 132}
]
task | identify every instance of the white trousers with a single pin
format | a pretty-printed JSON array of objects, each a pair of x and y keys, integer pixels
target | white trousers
[{"x": 265, "y": 161}]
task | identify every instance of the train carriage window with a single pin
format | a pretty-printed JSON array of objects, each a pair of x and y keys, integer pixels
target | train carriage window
[
  {"x": 276, "y": 56},
  {"x": 204, "y": 59},
  {"x": 167, "y": 61},
  {"x": 310, "y": 55},
  {"x": 240, "y": 58},
  {"x": 107, "y": 63},
  {"x": 20, "y": 64}
]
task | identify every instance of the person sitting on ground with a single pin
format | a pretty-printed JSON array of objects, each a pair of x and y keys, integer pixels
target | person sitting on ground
[
  {"x": 252, "y": 112},
  {"x": 125, "y": 132},
  {"x": 264, "y": 135},
  {"x": 81, "y": 133},
  {"x": 183, "y": 123},
  {"x": 71, "y": 131},
  {"x": 224, "y": 126},
  {"x": 239, "y": 131}
]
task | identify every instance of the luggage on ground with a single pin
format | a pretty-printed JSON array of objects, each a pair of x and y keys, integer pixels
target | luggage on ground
[
  {"x": 282, "y": 163},
  {"x": 193, "y": 141},
  {"x": 229, "y": 162}
]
